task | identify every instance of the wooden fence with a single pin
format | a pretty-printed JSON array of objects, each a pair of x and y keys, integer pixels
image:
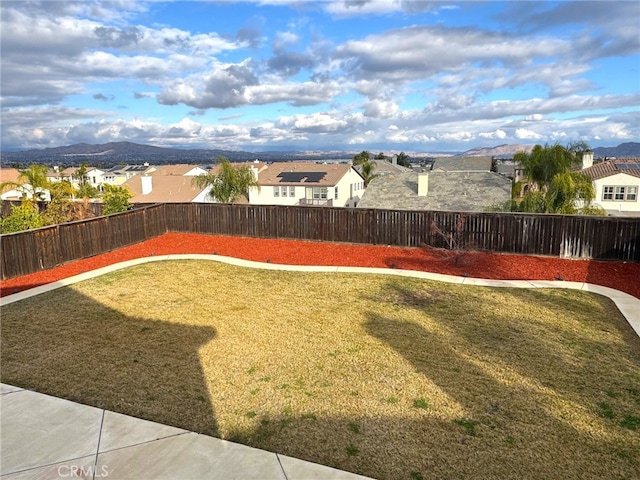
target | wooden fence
[
  {"x": 608, "y": 238},
  {"x": 35, "y": 250}
]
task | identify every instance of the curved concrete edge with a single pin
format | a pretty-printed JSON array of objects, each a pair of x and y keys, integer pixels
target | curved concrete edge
[{"x": 628, "y": 305}]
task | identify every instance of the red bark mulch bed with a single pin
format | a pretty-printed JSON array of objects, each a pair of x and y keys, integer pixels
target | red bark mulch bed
[{"x": 624, "y": 276}]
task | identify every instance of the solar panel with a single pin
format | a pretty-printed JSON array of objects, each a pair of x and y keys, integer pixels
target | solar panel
[
  {"x": 628, "y": 166},
  {"x": 297, "y": 177}
]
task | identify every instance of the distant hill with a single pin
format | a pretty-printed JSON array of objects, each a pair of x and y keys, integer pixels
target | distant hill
[
  {"x": 115, "y": 153},
  {"x": 499, "y": 151},
  {"x": 629, "y": 149},
  {"x": 110, "y": 154}
]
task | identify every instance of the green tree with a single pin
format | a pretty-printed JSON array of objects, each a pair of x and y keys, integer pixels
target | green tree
[
  {"x": 63, "y": 207},
  {"x": 32, "y": 183},
  {"x": 23, "y": 217},
  {"x": 362, "y": 157},
  {"x": 554, "y": 184},
  {"x": 85, "y": 189},
  {"x": 380, "y": 156},
  {"x": 229, "y": 183},
  {"x": 115, "y": 199},
  {"x": 403, "y": 160},
  {"x": 544, "y": 163},
  {"x": 367, "y": 169}
]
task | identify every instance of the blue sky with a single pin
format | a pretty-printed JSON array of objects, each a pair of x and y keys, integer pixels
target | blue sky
[{"x": 378, "y": 75}]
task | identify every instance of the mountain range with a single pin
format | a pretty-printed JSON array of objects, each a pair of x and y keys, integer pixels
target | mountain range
[{"x": 110, "y": 154}]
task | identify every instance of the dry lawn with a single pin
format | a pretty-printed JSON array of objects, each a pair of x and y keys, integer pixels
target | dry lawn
[{"x": 390, "y": 377}]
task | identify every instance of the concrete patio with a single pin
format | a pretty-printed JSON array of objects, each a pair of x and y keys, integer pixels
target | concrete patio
[{"x": 44, "y": 437}]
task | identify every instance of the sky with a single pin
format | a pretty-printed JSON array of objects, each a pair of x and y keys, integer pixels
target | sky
[{"x": 264, "y": 75}]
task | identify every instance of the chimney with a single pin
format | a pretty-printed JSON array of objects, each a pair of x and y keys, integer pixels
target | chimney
[
  {"x": 587, "y": 159},
  {"x": 423, "y": 184},
  {"x": 147, "y": 184},
  {"x": 394, "y": 160},
  {"x": 255, "y": 171}
]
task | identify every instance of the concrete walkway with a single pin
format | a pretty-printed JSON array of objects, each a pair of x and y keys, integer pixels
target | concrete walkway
[{"x": 44, "y": 437}]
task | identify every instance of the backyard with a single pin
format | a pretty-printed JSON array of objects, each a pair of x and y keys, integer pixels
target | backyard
[{"x": 390, "y": 377}]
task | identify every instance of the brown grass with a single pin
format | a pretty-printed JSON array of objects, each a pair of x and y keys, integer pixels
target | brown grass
[{"x": 389, "y": 377}]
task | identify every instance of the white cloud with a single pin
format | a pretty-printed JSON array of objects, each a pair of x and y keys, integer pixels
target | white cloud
[
  {"x": 426, "y": 83},
  {"x": 496, "y": 134},
  {"x": 536, "y": 117},
  {"x": 380, "y": 109},
  {"x": 526, "y": 134}
]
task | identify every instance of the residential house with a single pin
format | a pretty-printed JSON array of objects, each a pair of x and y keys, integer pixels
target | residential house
[
  {"x": 167, "y": 184},
  {"x": 308, "y": 183},
  {"x": 8, "y": 192},
  {"x": 120, "y": 174},
  {"x": 460, "y": 191},
  {"x": 94, "y": 176},
  {"x": 616, "y": 184},
  {"x": 24, "y": 191}
]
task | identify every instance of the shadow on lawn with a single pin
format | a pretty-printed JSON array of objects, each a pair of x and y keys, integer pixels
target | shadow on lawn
[
  {"x": 543, "y": 393},
  {"x": 97, "y": 356}
]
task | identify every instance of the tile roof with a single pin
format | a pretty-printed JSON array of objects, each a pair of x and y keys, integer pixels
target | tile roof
[
  {"x": 259, "y": 165},
  {"x": 303, "y": 173},
  {"x": 449, "y": 191},
  {"x": 382, "y": 167},
  {"x": 122, "y": 169},
  {"x": 165, "y": 189},
  {"x": 9, "y": 175},
  {"x": 463, "y": 164},
  {"x": 612, "y": 167}
]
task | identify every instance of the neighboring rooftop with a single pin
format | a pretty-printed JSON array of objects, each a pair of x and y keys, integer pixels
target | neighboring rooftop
[
  {"x": 613, "y": 167},
  {"x": 305, "y": 173},
  {"x": 8, "y": 175},
  {"x": 450, "y": 191},
  {"x": 131, "y": 169},
  {"x": 168, "y": 183},
  {"x": 384, "y": 167},
  {"x": 463, "y": 164}
]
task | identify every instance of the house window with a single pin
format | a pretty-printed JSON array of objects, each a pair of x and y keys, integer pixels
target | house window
[
  {"x": 292, "y": 191},
  {"x": 620, "y": 193},
  {"x": 284, "y": 191},
  {"x": 319, "y": 193},
  {"x": 335, "y": 193},
  {"x": 276, "y": 191}
]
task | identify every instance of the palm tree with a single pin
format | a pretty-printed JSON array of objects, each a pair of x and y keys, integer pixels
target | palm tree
[
  {"x": 544, "y": 163},
  {"x": 554, "y": 184},
  {"x": 229, "y": 183},
  {"x": 32, "y": 183},
  {"x": 85, "y": 189},
  {"x": 367, "y": 169},
  {"x": 361, "y": 158}
]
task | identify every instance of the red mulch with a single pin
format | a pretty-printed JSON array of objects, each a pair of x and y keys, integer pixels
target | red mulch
[{"x": 623, "y": 276}]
